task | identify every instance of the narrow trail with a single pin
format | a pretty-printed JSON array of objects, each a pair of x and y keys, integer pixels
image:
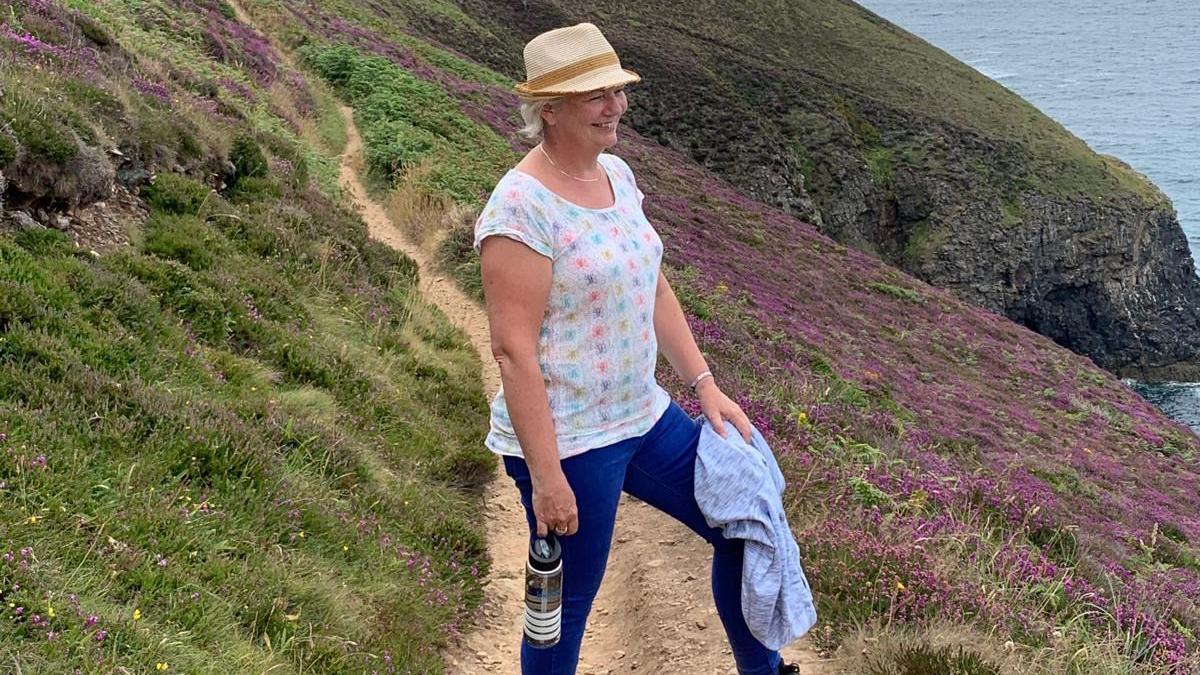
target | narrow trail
[{"x": 653, "y": 557}]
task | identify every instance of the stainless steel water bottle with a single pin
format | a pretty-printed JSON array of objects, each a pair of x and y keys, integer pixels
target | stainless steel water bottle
[{"x": 543, "y": 592}]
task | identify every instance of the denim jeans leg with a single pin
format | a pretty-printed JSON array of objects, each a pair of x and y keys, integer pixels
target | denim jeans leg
[
  {"x": 595, "y": 477},
  {"x": 661, "y": 473}
]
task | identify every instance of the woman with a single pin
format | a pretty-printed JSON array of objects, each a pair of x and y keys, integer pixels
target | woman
[{"x": 578, "y": 310}]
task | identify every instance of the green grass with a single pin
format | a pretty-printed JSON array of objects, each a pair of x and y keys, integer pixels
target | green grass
[
  {"x": 856, "y": 85},
  {"x": 244, "y": 431},
  {"x": 244, "y": 443},
  {"x": 895, "y": 291},
  {"x": 406, "y": 122},
  {"x": 1011, "y": 213},
  {"x": 881, "y": 162},
  {"x": 921, "y": 659}
]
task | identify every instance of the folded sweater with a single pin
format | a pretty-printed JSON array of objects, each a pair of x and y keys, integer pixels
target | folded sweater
[{"x": 739, "y": 488}]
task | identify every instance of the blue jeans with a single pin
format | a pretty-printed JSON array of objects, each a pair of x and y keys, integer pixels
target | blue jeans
[{"x": 657, "y": 468}]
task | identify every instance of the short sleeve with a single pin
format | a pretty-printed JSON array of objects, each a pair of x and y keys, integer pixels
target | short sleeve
[{"x": 506, "y": 215}]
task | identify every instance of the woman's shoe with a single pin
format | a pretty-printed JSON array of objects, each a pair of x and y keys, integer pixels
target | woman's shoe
[{"x": 788, "y": 669}]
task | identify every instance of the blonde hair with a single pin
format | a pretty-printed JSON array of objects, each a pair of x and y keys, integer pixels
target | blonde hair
[{"x": 531, "y": 114}]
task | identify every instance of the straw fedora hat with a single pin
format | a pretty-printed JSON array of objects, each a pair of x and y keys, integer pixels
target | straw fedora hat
[{"x": 571, "y": 60}]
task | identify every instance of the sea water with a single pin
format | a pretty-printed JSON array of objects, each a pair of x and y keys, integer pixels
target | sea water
[{"x": 1123, "y": 75}]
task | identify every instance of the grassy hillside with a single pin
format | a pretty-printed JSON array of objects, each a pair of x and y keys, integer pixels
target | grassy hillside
[
  {"x": 236, "y": 439},
  {"x": 946, "y": 466},
  {"x": 785, "y": 80}
]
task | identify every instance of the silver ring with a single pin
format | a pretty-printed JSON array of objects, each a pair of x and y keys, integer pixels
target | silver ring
[{"x": 560, "y": 530}]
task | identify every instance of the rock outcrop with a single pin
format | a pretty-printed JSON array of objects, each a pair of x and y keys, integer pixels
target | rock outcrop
[{"x": 1113, "y": 281}]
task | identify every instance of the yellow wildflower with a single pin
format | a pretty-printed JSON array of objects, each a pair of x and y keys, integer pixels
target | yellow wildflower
[
  {"x": 161, "y": 665},
  {"x": 137, "y": 614}
]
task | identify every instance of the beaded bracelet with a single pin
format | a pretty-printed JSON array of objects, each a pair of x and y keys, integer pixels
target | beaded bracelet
[{"x": 701, "y": 376}]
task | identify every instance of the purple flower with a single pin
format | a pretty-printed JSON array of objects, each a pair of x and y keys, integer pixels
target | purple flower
[{"x": 151, "y": 89}]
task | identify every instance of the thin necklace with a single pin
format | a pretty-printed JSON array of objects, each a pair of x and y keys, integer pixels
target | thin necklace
[{"x": 585, "y": 180}]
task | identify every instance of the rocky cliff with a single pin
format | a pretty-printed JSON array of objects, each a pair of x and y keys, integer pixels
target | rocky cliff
[{"x": 890, "y": 145}]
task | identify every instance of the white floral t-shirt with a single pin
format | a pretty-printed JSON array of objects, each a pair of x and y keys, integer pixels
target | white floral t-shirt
[{"x": 597, "y": 348}]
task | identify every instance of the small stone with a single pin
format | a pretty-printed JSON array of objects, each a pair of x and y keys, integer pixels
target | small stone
[
  {"x": 25, "y": 221},
  {"x": 62, "y": 222}
]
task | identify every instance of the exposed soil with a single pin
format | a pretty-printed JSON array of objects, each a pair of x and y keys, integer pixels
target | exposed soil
[{"x": 101, "y": 226}]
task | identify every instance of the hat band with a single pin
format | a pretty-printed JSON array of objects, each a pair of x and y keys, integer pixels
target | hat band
[{"x": 570, "y": 71}]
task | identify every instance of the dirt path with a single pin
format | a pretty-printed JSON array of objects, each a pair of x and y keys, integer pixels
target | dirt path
[{"x": 653, "y": 556}]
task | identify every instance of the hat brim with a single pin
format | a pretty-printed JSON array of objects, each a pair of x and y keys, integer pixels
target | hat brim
[{"x": 597, "y": 79}]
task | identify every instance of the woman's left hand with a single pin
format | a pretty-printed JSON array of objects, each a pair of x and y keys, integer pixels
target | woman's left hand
[{"x": 719, "y": 408}]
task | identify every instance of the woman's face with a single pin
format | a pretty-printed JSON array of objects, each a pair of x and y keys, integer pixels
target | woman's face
[{"x": 588, "y": 120}]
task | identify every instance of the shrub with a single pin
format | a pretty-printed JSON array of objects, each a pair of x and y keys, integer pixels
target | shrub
[
  {"x": 395, "y": 145},
  {"x": 43, "y": 138},
  {"x": 251, "y": 235},
  {"x": 895, "y": 291},
  {"x": 92, "y": 30},
  {"x": 174, "y": 193},
  {"x": 247, "y": 157},
  {"x": 45, "y": 243},
  {"x": 17, "y": 305},
  {"x": 8, "y": 151},
  {"x": 183, "y": 238},
  {"x": 254, "y": 189},
  {"x": 923, "y": 659},
  {"x": 405, "y": 120},
  {"x": 467, "y": 467}
]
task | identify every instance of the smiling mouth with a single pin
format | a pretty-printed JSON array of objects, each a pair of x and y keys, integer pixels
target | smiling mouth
[{"x": 606, "y": 125}]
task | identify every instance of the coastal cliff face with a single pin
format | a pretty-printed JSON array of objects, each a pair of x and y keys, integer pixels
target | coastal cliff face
[
  {"x": 1110, "y": 278},
  {"x": 887, "y": 144},
  {"x": 1114, "y": 282}
]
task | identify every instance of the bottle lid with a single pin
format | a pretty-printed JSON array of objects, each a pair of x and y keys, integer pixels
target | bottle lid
[{"x": 544, "y": 552}]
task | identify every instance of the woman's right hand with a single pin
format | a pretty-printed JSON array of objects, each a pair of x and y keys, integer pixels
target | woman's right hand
[{"x": 554, "y": 506}]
